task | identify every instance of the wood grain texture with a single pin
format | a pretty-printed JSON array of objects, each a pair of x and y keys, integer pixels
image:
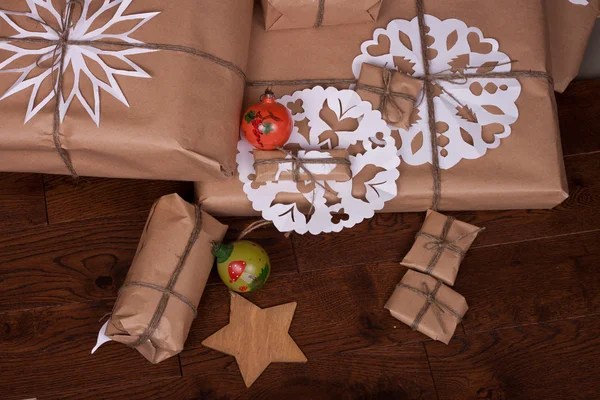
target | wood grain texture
[
  {"x": 338, "y": 310},
  {"x": 48, "y": 350},
  {"x": 87, "y": 198},
  {"x": 531, "y": 282},
  {"x": 554, "y": 361},
  {"x": 579, "y": 116},
  {"x": 256, "y": 337},
  {"x": 21, "y": 201},
  {"x": 388, "y": 237},
  {"x": 371, "y": 374},
  {"x": 88, "y": 260},
  {"x": 399, "y": 372},
  {"x": 67, "y": 263}
]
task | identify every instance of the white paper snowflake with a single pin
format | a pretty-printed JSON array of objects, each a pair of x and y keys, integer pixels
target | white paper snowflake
[
  {"x": 462, "y": 133},
  {"x": 78, "y": 57},
  {"x": 378, "y": 164}
]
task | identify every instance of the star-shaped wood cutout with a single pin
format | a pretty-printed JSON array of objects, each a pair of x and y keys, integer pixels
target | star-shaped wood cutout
[{"x": 256, "y": 337}]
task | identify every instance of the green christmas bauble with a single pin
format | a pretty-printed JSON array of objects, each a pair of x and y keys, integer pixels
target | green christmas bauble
[{"x": 243, "y": 266}]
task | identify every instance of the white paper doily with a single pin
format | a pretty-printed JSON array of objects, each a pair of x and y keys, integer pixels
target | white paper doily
[
  {"x": 345, "y": 105},
  {"x": 452, "y": 46}
]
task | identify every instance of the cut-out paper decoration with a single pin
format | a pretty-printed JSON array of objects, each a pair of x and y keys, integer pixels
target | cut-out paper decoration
[
  {"x": 580, "y": 2},
  {"x": 329, "y": 119},
  {"x": 472, "y": 115},
  {"x": 257, "y": 337},
  {"x": 102, "y": 338},
  {"x": 83, "y": 60}
]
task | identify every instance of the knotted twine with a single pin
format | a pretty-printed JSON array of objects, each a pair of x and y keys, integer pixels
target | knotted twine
[
  {"x": 429, "y": 81},
  {"x": 441, "y": 243},
  {"x": 300, "y": 164},
  {"x": 168, "y": 291},
  {"x": 58, "y": 59},
  {"x": 436, "y": 306},
  {"x": 387, "y": 96}
]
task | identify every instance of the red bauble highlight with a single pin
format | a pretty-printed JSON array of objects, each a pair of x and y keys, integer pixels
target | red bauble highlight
[{"x": 268, "y": 124}]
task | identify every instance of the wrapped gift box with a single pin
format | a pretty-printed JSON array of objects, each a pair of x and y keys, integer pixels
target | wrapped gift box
[
  {"x": 182, "y": 122},
  {"x": 289, "y": 14},
  {"x": 525, "y": 171},
  {"x": 570, "y": 24},
  {"x": 427, "y": 305}
]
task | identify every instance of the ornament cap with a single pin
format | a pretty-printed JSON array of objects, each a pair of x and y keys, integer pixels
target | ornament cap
[
  {"x": 268, "y": 96},
  {"x": 222, "y": 251}
]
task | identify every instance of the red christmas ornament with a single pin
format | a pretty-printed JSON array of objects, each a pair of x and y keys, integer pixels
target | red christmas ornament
[{"x": 268, "y": 124}]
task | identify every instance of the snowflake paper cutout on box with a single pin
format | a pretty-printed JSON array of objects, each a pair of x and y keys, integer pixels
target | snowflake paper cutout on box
[
  {"x": 484, "y": 108},
  {"x": 77, "y": 57},
  {"x": 374, "y": 167}
]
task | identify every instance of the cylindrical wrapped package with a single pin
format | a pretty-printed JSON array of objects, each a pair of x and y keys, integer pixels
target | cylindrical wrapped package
[
  {"x": 290, "y": 14},
  {"x": 157, "y": 302},
  {"x": 277, "y": 165},
  {"x": 148, "y": 89}
]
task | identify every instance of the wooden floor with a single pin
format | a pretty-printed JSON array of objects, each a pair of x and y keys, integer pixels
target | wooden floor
[{"x": 532, "y": 281}]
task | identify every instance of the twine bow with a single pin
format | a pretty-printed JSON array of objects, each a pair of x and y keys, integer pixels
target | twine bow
[
  {"x": 441, "y": 243},
  {"x": 299, "y": 164},
  {"x": 387, "y": 96},
  {"x": 58, "y": 59},
  {"x": 432, "y": 303}
]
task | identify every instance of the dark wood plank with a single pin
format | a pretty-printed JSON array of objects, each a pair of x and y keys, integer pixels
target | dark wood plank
[
  {"x": 387, "y": 237},
  {"x": 21, "y": 201},
  {"x": 531, "y": 282},
  {"x": 87, "y": 198},
  {"x": 554, "y": 361},
  {"x": 374, "y": 374},
  {"x": 88, "y": 260},
  {"x": 579, "y": 116},
  {"x": 338, "y": 310},
  {"x": 67, "y": 263},
  {"x": 48, "y": 350},
  {"x": 371, "y": 374}
]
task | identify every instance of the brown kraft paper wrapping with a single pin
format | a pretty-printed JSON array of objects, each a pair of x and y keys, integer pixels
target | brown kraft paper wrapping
[
  {"x": 182, "y": 123},
  {"x": 569, "y": 29},
  {"x": 525, "y": 171},
  {"x": 169, "y": 231},
  {"x": 435, "y": 318},
  {"x": 440, "y": 246},
  {"x": 396, "y": 99},
  {"x": 290, "y": 14},
  {"x": 269, "y": 172}
]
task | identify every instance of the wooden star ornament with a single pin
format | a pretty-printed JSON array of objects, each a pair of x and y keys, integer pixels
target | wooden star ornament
[{"x": 256, "y": 337}]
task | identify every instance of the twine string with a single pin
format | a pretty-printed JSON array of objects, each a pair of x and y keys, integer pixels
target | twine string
[
  {"x": 387, "y": 96},
  {"x": 58, "y": 55},
  {"x": 432, "y": 303},
  {"x": 320, "y": 14},
  {"x": 168, "y": 291},
  {"x": 440, "y": 243}
]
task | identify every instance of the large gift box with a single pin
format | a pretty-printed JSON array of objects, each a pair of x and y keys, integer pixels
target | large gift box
[
  {"x": 497, "y": 135},
  {"x": 135, "y": 89}
]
